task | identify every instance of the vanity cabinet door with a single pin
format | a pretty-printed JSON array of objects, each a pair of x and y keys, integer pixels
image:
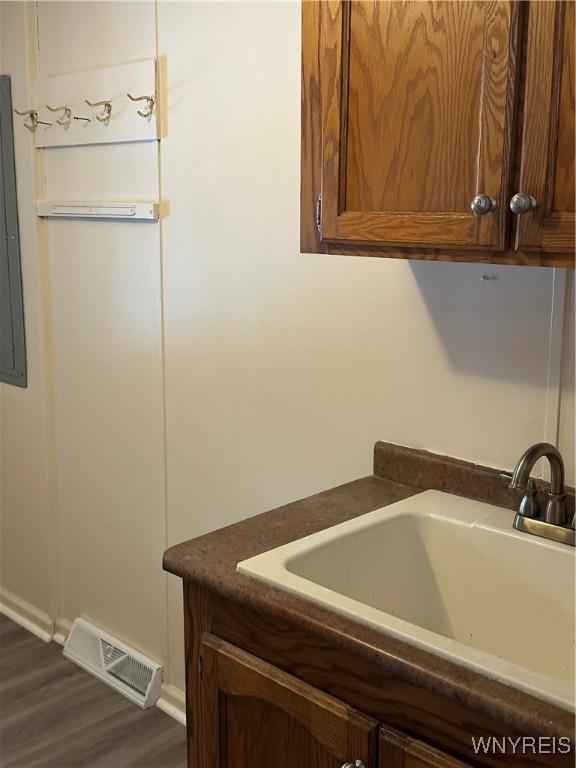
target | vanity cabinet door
[
  {"x": 416, "y": 102},
  {"x": 399, "y": 751},
  {"x": 256, "y": 716},
  {"x": 547, "y": 159}
]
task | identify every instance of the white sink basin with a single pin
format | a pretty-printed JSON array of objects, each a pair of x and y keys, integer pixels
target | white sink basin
[{"x": 450, "y": 575}]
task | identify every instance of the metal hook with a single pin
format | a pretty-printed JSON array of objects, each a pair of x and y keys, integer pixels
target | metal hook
[
  {"x": 107, "y": 111},
  {"x": 64, "y": 121},
  {"x": 150, "y": 107},
  {"x": 86, "y": 119},
  {"x": 32, "y": 116}
]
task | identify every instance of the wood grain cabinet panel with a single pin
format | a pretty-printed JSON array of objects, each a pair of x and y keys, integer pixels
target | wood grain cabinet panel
[
  {"x": 547, "y": 159},
  {"x": 257, "y": 715},
  {"x": 416, "y": 119},
  {"x": 399, "y": 751},
  {"x": 412, "y": 108}
]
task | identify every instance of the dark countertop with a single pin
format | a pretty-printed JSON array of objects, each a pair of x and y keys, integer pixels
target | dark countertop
[{"x": 211, "y": 560}]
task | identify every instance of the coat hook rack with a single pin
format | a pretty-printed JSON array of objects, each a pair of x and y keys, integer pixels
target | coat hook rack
[
  {"x": 91, "y": 106},
  {"x": 104, "y": 116},
  {"x": 31, "y": 121},
  {"x": 149, "y": 107},
  {"x": 66, "y": 117}
]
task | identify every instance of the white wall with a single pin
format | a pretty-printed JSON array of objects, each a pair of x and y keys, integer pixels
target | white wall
[
  {"x": 108, "y": 401},
  {"x": 203, "y": 370},
  {"x": 26, "y": 562}
]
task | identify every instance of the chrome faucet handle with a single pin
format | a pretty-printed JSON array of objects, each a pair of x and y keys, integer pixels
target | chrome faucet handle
[
  {"x": 555, "y": 512},
  {"x": 530, "y": 504}
]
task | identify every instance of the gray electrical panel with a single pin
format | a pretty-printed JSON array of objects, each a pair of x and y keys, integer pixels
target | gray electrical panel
[{"x": 12, "y": 338}]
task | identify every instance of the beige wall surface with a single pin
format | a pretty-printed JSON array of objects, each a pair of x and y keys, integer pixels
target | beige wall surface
[
  {"x": 107, "y": 349},
  {"x": 201, "y": 370},
  {"x": 26, "y": 556}
]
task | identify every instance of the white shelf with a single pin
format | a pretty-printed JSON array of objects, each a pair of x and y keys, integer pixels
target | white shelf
[{"x": 99, "y": 210}]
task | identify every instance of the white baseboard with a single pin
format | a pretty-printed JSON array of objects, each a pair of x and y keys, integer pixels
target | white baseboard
[
  {"x": 172, "y": 701},
  {"x": 26, "y": 615}
]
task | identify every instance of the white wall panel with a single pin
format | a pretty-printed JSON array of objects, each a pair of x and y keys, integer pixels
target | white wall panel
[
  {"x": 25, "y": 542},
  {"x": 109, "y": 431},
  {"x": 105, "y": 279},
  {"x": 81, "y": 35}
]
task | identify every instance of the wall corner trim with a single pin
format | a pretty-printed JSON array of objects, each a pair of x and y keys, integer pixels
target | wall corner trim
[
  {"x": 554, "y": 368},
  {"x": 62, "y": 629}
]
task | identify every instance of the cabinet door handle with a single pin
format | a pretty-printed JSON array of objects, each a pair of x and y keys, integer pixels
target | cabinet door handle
[
  {"x": 482, "y": 204},
  {"x": 355, "y": 764},
  {"x": 521, "y": 204}
]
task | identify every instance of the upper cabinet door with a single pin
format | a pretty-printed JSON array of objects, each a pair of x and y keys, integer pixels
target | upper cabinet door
[
  {"x": 416, "y": 102},
  {"x": 547, "y": 161}
]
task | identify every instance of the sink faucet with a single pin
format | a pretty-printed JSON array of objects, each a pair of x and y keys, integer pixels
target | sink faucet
[
  {"x": 556, "y": 507},
  {"x": 554, "y": 523}
]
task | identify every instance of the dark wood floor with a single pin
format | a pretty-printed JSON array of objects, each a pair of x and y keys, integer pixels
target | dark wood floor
[{"x": 55, "y": 715}]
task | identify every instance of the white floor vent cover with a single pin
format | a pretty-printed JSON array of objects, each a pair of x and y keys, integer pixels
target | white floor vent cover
[{"x": 131, "y": 673}]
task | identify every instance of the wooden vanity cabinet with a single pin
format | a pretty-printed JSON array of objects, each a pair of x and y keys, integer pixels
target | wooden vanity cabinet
[
  {"x": 257, "y": 715},
  {"x": 263, "y": 692},
  {"x": 410, "y": 110}
]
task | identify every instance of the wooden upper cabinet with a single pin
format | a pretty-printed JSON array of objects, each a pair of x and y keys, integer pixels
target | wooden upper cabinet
[
  {"x": 417, "y": 102},
  {"x": 399, "y": 751},
  {"x": 547, "y": 155},
  {"x": 412, "y": 109},
  {"x": 255, "y": 715}
]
